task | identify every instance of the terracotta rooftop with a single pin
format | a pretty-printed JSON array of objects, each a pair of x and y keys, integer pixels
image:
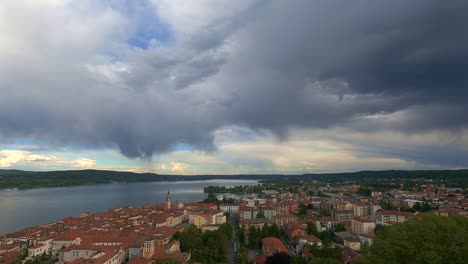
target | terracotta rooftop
[{"x": 271, "y": 245}]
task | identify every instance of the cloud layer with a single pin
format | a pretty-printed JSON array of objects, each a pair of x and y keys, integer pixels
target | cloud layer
[{"x": 145, "y": 76}]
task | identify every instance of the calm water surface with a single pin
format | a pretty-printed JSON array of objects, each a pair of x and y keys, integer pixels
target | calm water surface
[{"x": 24, "y": 208}]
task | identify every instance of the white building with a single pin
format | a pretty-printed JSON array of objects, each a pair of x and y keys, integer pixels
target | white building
[{"x": 229, "y": 208}]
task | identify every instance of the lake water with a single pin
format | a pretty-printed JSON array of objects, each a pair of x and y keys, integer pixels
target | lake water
[{"x": 23, "y": 208}]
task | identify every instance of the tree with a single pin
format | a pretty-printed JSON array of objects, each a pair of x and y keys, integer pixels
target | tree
[
  {"x": 253, "y": 237},
  {"x": 324, "y": 252},
  {"x": 260, "y": 214},
  {"x": 240, "y": 233},
  {"x": 312, "y": 229},
  {"x": 424, "y": 207},
  {"x": 314, "y": 260},
  {"x": 226, "y": 229},
  {"x": 324, "y": 213},
  {"x": 427, "y": 239},
  {"x": 364, "y": 191},
  {"x": 340, "y": 228},
  {"x": 274, "y": 231},
  {"x": 206, "y": 247},
  {"x": 302, "y": 210},
  {"x": 167, "y": 261},
  {"x": 379, "y": 228},
  {"x": 386, "y": 205},
  {"x": 324, "y": 261},
  {"x": 326, "y": 236},
  {"x": 279, "y": 258}
]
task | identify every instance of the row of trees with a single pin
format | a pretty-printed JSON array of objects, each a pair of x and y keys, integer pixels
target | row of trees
[
  {"x": 235, "y": 189},
  {"x": 324, "y": 255}
]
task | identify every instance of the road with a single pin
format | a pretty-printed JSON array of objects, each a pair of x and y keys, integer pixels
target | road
[{"x": 232, "y": 257}]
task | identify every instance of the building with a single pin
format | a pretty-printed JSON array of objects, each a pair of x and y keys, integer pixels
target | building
[
  {"x": 446, "y": 211},
  {"x": 248, "y": 213},
  {"x": 294, "y": 230},
  {"x": 269, "y": 213},
  {"x": 168, "y": 201},
  {"x": 388, "y": 217},
  {"x": 271, "y": 245},
  {"x": 270, "y": 193},
  {"x": 280, "y": 220},
  {"x": 373, "y": 208},
  {"x": 65, "y": 239},
  {"x": 411, "y": 202},
  {"x": 201, "y": 220},
  {"x": 362, "y": 226},
  {"x": 361, "y": 210},
  {"x": 325, "y": 223},
  {"x": 347, "y": 240},
  {"x": 307, "y": 240},
  {"x": 229, "y": 208},
  {"x": 342, "y": 215},
  {"x": 41, "y": 247},
  {"x": 8, "y": 248},
  {"x": 367, "y": 239},
  {"x": 257, "y": 223}
]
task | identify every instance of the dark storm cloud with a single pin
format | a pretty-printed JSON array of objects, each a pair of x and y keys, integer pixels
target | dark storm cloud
[
  {"x": 390, "y": 56},
  {"x": 282, "y": 64}
]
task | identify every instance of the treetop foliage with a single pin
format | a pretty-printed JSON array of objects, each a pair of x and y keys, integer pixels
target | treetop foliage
[{"x": 427, "y": 239}]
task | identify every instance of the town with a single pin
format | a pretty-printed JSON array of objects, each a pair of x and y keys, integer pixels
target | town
[{"x": 279, "y": 222}]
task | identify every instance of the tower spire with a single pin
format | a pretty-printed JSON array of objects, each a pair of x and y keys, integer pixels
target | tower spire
[{"x": 168, "y": 200}]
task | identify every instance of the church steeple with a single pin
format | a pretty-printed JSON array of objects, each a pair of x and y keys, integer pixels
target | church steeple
[{"x": 168, "y": 200}]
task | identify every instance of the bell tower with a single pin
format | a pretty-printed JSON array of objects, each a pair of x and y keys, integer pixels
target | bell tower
[{"x": 168, "y": 200}]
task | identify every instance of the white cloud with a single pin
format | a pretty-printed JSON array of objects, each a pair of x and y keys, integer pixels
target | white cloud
[
  {"x": 83, "y": 163},
  {"x": 193, "y": 17},
  {"x": 175, "y": 167},
  {"x": 9, "y": 158}
]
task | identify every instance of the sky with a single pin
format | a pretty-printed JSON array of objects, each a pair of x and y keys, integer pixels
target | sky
[{"x": 233, "y": 87}]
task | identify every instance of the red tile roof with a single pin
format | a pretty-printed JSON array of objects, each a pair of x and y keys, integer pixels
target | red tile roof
[{"x": 271, "y": 245}]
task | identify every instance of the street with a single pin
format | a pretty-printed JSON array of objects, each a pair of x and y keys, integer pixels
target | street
[{"x": 232, "y": 257}]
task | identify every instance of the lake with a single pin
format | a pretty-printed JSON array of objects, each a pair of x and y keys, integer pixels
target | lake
[{"x": 24, "y": 208}]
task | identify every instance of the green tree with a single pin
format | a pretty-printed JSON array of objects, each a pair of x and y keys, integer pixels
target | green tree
[
  {"x": 274, "y": 231},
  {"x": 324, "y": 213},
  {"x": 312, "y": 229},
  {"x": 326, "y": 236},
  {"x": 254, "y": 235},
  {"x": 260, "y": 214},
  {"x": 240, "y": 234},
  {"x": 324, "y": 261},
  {"x": 314, "y": 260},
  {"x": 364, "y": 191},
  {"x": 387, "y": 205},
  {"x": 167, "y": 261},
  {"x": 206, "y": 247},
  {"x": 279, "y": 258},
  {"x": 428, "y": 239},
  {"x": 340, "y": 228},
  {"x": 379, "y": 228},
  {"x": 226, "y": 229},
  {"x": 325, "y": 253},
  {"x": 302, "y": 210}
]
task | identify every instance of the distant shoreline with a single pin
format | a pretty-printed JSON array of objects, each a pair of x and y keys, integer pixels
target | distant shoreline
[
  {"x": 104, "y": 183},
  {"x": 24, "y": 180}
]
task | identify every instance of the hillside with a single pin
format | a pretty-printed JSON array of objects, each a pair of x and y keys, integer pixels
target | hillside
[{"x": 29, "y": 179}]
